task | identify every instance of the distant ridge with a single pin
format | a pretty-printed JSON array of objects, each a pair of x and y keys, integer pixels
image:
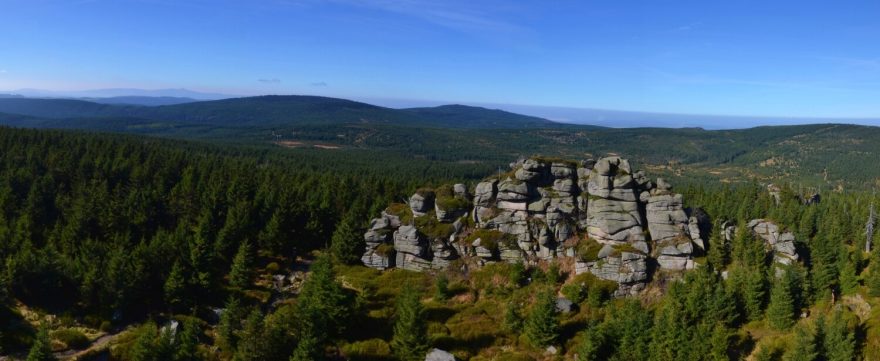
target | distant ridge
[
  {"x": 273, "y": 110},
  {"x": 479, "y": 117}
]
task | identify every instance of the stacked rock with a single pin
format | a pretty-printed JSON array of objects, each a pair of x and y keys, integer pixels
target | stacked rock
[{"x": 543, "y": 209}]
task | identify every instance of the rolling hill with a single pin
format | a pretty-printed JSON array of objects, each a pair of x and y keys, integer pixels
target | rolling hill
[
  {"x": 817, "y": 154},
  {"x": 274, "y": 111}
]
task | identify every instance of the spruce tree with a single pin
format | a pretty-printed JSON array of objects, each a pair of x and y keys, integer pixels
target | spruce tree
[
  {"x": 200, "y": 258},
  {"x": 849, "y": 280},
  {"x": 873, "y": 277},
  {"x": 241, "y": 272},
  {"x": 175, "y": 288},
  {"x": 187, "y": 341},
  {"x": 410, "y": 340},
  {"x": 441, "y": 287},
  {"x": 719, "y": 343},
  {"x": 753, "y": 295},
  {"x": 512, "y": 321},
  {"x": 839, "y": 343},
  {"x": 144, "y": 347},
  {"x": 719, "y": 251},
  {"x": 308, "y": 347},
  {"x": 230, "y": 322},
  {"x": 780, "y": 311},
  {"x": 542, "y": 325},
  {"x": 347, "y": 241},
  {"x": 324, "y": 302},
  {"x": 250, "y": 339},
  {"x": 803, "y": 346},
  {"x": 593, "y": 346},
  {"x": 41, "y": 349}
]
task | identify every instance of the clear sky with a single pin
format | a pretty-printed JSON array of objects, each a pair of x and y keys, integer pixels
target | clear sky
[{"x": 774, "y": 58}]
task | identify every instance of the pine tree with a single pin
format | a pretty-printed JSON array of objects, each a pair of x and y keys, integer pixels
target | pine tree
[
  {"x": 200, "y": 265},
  {"x": 187, "y": 342},
  {"x": 271, "y": 237},
  {"x": 593, "y": 346},
  {"x": 144, "y": 347},
  {"x": 849, "y": 280},
  {"x": 630, "y": 325},
  {"x": 410, "y": 341},
  {"x": 441, "y": 287},
  {"x": 230, "y": 322},
  {"x": 803, "y": 347},
  {"x": 250, "y": 339},
  {"x": 780, "y": 311},
  {"x": 241, "y": 272},
  {"x": 517, "y": 274},
  {"x": 324, "y": 302},
  {"x": 839, "y": 343},
  {"x": 41, "y": 349},
  {"x": 175, "y": 287},
  {"x": 873, "y": 277},
  {"x": 308, "y": 347},
  {"x": 719, "y": 343},
  {"x": 347, "y": 241},
  {"x": 542, "y": 325},
  {"x": 755, "y": 290},
  {"x": 512, "y": 319},
  {"x": 719, "y": 251}
]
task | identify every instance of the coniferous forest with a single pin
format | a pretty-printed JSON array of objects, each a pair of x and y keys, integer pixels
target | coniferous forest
[{"x": 134, "y": 248}]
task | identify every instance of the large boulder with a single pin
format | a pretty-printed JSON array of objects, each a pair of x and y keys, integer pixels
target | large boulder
[
  {"x": 666, "y": 217},
  {"x": 421, "y": 202},
  {"x": 439, "y": 355},
  {"x": 513, "y": 190},
  {"x": 484, "y": 194},
  {"x": 614, "y": 221},
  {"x": 781, "y": 244},
  {"x": 407, "y": 239}
]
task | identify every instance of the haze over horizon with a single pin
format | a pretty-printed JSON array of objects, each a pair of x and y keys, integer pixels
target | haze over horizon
[{"x": 799, "y": 60}]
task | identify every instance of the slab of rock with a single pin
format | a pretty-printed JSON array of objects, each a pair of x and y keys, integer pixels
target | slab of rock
[
  {"x": 484, "y": 194},
  {"x": 666, "y": 217},
  {"x": 564, "y": 305},
  {"x": 412, "y": 262},
  {"x": 407, "y": 239},
  {"x": 513, "y": 190},
  {"x": 374, "y": 259},
  {"x": 439, "y": 355},
  {"x": 781, "y": 244},
  {"x": 562, "y": 170}
]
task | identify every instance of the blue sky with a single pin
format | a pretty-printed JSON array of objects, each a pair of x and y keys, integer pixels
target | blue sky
[{"x": 773, "y": 58}]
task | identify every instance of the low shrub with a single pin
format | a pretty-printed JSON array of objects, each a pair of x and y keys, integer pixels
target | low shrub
[{"x": 72, "y": 338}]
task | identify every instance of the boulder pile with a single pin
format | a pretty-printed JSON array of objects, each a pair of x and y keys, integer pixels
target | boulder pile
[{"x": 610, "y": 220}]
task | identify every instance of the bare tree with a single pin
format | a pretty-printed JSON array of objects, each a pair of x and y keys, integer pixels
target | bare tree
[{"x": 869, "y": 229}]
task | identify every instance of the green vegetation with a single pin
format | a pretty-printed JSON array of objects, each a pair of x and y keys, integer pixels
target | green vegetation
[
  {"x": 410, "y": 341},
  {"x": 490, "y": 239},
  {"x": 116, "y": 233}
]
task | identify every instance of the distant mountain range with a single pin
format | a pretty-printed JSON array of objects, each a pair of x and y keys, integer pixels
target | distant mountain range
[
  {"x": 263, "y": 111},
  {"x": 569, "y": 115},
  {"x": 812, "y": 154},
  {"x": 119, "y": 92}
]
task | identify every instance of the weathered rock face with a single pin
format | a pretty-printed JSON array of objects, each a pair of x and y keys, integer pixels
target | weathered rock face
[
  {"x": 781, "y": 244},
  {"x": 542, "y": 210},
  {"x": 628, "y": 269},
  {"x": 421, "y": 202}
]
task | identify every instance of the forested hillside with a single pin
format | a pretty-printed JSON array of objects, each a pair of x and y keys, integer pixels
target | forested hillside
[
  {"x": 823, "y": 156},
  {"x": 254, "y": 251}
]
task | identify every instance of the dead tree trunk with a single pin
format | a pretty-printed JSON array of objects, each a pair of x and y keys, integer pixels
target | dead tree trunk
[{"x": 869, "y": 230}]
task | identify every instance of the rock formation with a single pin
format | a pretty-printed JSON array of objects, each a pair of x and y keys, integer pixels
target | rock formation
[
  {"x": 781, "y": 244},
  {"x": 609, "y": 219}
]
